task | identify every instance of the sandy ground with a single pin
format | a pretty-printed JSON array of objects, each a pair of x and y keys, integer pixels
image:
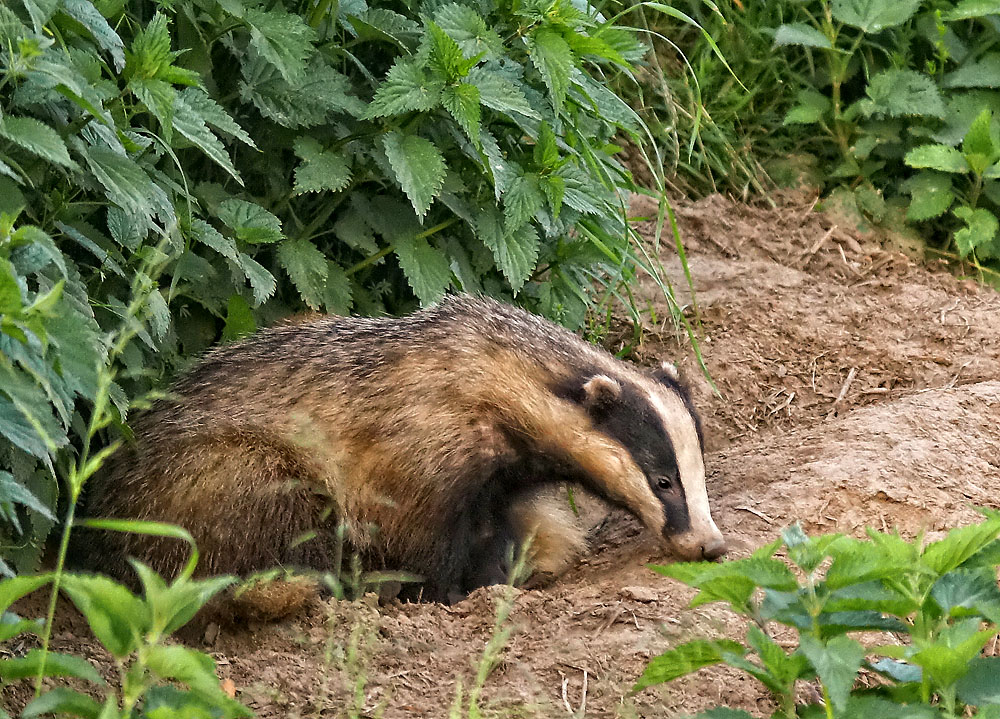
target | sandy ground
[{"x": 857, "y": 388}]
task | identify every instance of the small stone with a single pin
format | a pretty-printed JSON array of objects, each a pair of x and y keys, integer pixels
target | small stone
[{"x": 638, "y": 594}]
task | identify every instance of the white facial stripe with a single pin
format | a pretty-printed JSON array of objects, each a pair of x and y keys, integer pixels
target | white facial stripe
[{"x": 683, "y": 435}]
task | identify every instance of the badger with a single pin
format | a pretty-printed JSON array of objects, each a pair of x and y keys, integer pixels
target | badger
[{"x": 432, "y": 440}]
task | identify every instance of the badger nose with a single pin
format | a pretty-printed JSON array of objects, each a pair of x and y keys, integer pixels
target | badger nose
[{"x": 714, "y": 548}]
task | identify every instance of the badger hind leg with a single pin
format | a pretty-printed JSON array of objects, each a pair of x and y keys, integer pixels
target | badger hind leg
[{"x": 544, "y": 518}]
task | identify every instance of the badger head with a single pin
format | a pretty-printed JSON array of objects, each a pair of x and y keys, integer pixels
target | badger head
[{"x": 661, "y": 477}]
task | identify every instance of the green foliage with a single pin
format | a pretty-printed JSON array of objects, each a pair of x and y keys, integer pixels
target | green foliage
[
  {"x": 941, "y": 599},
  {"x": 334, "y": 156}
]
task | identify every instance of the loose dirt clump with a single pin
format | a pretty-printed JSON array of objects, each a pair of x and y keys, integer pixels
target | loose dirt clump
[{"x": 858, "y": 387}]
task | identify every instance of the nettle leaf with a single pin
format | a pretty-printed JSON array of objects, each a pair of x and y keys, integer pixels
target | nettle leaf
[
  {"x": 426, "y": 268},
  {"x": 251, "y": 222},
  {"x": 466, "y": 27},
  {"x": 307, "y": 267},
  {"x": 159, "y": 97},
  {"x": 981, "y": 228},
  {"x": 971, "y": 9},
  {"x": 552, "y": 57},
  {"x": 979, "y": 685},
  {"x": 407, "y": 87},
  {"x": 522, "y": 200},
  {"x": 811, "y": 107},
  {"x": 978, "y": 146},
  {"x": 190, "y": 123},
  {"x": 937, "y": 157},
  {"x": 55, "y": 665},
  {"x": 419, "y": 168},
  {"x": 150, "y": 52},
  {"x": 931, "y": 195},
  {"x": 462, "y": 101},
  {"x": 87, "y": 15},
  {"x": 62, "y": 701},
  {"x": 212, "y": 113},
  {"x": 127, "y": 184},
  {"x": 307, "y": 101},
  {"x": 965, "y": 591},
  {"x": 499, "y": 93},
  {"x": 546, "y": 151},
  {"x": 262, "y": 282},
  {"x": 37, "y": 138},
  {"x": 836, "y": 663},
  {"x": 445, "y": 55},
  {"x": 686, "y": 658},
  {"x": 798, "y": 33},
  {"x": 13, "y": 491},
  {"x": 984, "y": 72},
  {"x": 516, "y": 252},
  {"x": 338, "y": 296},
  {"x": 899, "y": 93},
  {"x": 283, "y": 39},
  {"x": 874, "y": 15},
  {"x": 320, "y": 169}
]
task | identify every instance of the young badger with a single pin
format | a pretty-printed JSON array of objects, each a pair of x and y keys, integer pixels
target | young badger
[{"x": 435, "y": 438}]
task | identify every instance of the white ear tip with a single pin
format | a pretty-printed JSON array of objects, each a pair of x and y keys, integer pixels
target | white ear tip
[
  {"x": 601, "y": 388},
  {"x": 670, "y": 369}
]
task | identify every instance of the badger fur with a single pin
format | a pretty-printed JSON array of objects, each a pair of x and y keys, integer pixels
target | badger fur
[{"x": 434, "y": 438}]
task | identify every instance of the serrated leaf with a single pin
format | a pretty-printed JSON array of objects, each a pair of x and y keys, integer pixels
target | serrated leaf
[
  {"x": 499, "y": 93},
  {"x": 56, "y": 665},
  {"x": 462, "y": 101},
  {"x": 984, "y": 72},
  {"x": 981, "y": 227},
  {"x": 116, "y": 616},
  {"x": 338, "y": 295},
  {"x": 87, "y": 15},
  {"x": 211, "y": 237},
  {"x": 971, "y": 9},
  {"x": 239, "y": 320},
  {"x": 962, "y": 543},
  {"x": 546, "y": 152},
  {"x": 324, "y": 170},
  {"x": 62, "y": 701},
  {"x": 407, "y": 87},
  {"x": 309, "y": 100},
  {"x": 37, "y": 138},
  {"x": 466, "y": 27},
  {"x": 685, "y": 659},
  {"x": 251, "y": 222},
  {"x": 977, "y": 146},
  {"x": 937, "y": 157},
  {"x": 980, "y": 686},
  {"x": 901, "y": 93},
  {"x": 445, "y": 54},
  {"x": 874, "y": 15},
  {"x": 426, "y": 269},
  {"x": 194, "y": 669},
  {"x": 516, "y": 252},
  {"x": 283, "y": 39},
  {"x": 964, "y": 591},
  {"x": 931, "y": 195},
  {"x": 836, "y": 663},
  {"x": 150, "y": 52},
  {"x": 262, "y": 282},
  {"x": 552, "y": 57},
  {"x": 948, "y": 658},
  {"x": 306, "y": 266},
  {"x": 811, "y": 107},
  {"x": 13, "y": 491},
  {"x": 521, "y": 201},
  {"x": 127, "y": 184},
  {"x": 189, "y": 122},
  {"x": 214, "y": 114},
  {"x": 419, "y": 168},
  {"x": 797, "y": 33}
]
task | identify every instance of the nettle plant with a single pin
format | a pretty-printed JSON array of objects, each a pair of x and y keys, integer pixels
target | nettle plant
[
  {"x": 271, "y": 158},
  {"x": 927, "y": 615},
  {"x": 878, "y": 81}
]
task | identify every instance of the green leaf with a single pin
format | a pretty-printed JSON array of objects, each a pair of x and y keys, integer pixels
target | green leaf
[
  {"x": 811, "y": 107},
  {"x": 13, "y": 491},
  {"x": 11, "y": 300},
  {"x": 283, "y": 39},
  {"x": 251, "y": 222},
  {"x": 984, "y": 72},
  {"x": 150, "y": 52},
  {"x": 194, "y": 669},
  {"x": 262, "y": 282},
  {"x": 874, "y": 15},
  {"x": 836, "y": 663},
  {"x": 312, "y": 99},
  {"x": 189, "y": 122},
  {"x": 445, "y": 54},
  {"x": 948, "y": 659},
  {"x": 806, "y": 552},
  {"x": 972, "y": 9},
  {"x": 338, "y": 295},
  {"x": 981, "y": 227},
  {"x": 466, "y": 27},
  {"x": 462, "y": 101},
  {"x": 116, "y": 616},
  {"x": 306, "y": 265},
  {"x": 320, "y": 169},
  {"x": 419, "y": 168},
  {"x": 87, "y": 15},
  {"x": 797, "y": 33},
  {"x": 723, "y": 713},
  {"x": 862, "y": 706},
  {"x": 239, "y": 320},
  {"x": 500, "y": 93},
  {"x": 553, "y": 58},
  {"x": 964, "y": 591},
  {"x": 211, "y": 237},
  {"x": 56, "y": 665},
  {"x": 214, "y": 114},
  {"x": 37, "y": 138},
  {"x": 546, "y": 151},
  {"x": 12, "y": 625},
  {"x": 980, "y": 685},
  {"x": 937, "y": 157},
  {"x": 406, "y": 88},
  {"x": 14, "y": 588},
  {"x": 426, "y": 269},
  {"x": 127, "y": 184},
  {"x": 515, "y": 252},
  {"x": 686, "y": 658},
  {"x": 977, "y": 146},
  {"x": 931, "y": 195},
  {"x": 901, "y": 93},
  {"x": 62, "y": 700},
  {"x": 521, "y": 201}
]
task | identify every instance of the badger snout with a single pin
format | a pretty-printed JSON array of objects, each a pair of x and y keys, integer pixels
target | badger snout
[{"x": 697, "y": 547}]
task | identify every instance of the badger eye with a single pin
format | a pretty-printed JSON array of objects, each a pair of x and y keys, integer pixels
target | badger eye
[{"x": 664, "y": 483}]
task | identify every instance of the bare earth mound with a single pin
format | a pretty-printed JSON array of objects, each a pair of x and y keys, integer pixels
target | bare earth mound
[{"x": 858, "y": 388}]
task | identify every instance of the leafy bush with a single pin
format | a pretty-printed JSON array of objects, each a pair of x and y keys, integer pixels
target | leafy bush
[
  {"x": 942, "y": 597},
  {"x": 323, "y": 155}
]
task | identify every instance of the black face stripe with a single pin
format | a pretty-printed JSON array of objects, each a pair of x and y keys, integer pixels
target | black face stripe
[{"x": 632, "y": 421}]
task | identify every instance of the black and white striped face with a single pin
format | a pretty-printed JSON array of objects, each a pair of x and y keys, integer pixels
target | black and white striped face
[{"x": 657, "y": 425}]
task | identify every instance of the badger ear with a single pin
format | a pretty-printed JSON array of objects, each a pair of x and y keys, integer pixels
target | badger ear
[
  {"x": 667, "y": 371},
  {"x": 600, "y": 391}
]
